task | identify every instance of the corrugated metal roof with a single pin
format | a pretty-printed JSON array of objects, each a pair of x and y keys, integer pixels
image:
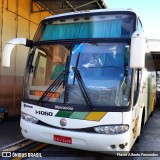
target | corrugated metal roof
[
  {"x": 154, "y": 45},
  {"x": 63, "y": 6}
]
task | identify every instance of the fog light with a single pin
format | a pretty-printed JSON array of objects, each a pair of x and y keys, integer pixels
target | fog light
[
  {"x": 113, "y": 146},
  {"x": 122, "y": 146},
  {"x": 29, "y": 118}
]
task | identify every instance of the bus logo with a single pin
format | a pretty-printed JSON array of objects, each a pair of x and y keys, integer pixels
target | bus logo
[
  {"x": 63, "y": 122},
  {"x": 28, "y": 106}
]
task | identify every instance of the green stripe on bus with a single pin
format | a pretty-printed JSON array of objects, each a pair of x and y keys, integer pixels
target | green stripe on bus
[
  {"x": 90, "y": 116},
  {"x": 65, "y": 114},
  {"x": 79, "y": 115}
]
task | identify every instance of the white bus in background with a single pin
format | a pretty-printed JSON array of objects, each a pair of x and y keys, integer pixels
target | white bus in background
[
  {"x": 89, "y": 81},
  {"x": 158, "y": 81}
]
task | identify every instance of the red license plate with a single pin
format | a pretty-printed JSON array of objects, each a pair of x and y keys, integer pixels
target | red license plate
[{"x": 62, "y": 139}]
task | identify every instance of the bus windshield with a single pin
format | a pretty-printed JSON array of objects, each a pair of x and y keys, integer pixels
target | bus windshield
[
  {"x": 95, "y": 74},
  {"x": 115, "y": 25}
]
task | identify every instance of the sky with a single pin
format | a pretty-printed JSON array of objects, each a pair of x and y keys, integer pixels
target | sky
[{"x": 148, "y": 11}]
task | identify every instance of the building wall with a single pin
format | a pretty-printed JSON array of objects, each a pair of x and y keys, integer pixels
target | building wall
[
  {"x": 154, "y": 45},
  {"x": 16, "y": 20}
]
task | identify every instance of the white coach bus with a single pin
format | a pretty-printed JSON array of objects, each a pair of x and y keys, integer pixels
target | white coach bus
[{"x": 90, "y": 82}]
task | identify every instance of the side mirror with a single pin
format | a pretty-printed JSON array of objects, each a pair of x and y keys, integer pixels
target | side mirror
[
  {"x": 6, "y": 56},
  {"x": 138, "y": 49}
]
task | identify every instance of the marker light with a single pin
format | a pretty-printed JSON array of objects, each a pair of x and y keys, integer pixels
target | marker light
[
  {"x": 114, "y": 129},
  {"x": 29, "y": 118}
]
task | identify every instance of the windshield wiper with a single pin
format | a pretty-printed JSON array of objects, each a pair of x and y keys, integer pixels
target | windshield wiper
[
  {"x": 77, "y": 61},
  {"x": 82, "y": 87},
  {"x": 54, "y": 86},
  {"x": 57, "y": 82},
  {"x": 81, "y": 83}
]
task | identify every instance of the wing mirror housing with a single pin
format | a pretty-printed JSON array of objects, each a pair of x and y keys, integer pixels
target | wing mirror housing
[
  {"x": 6, "y": 56},
  {"x": 138, "y": 49}
]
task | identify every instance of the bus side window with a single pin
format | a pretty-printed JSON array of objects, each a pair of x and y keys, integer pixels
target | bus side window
[{"x": 138, "y": 76}]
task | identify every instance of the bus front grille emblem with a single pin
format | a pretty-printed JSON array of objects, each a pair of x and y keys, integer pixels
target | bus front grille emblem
[{"x": 63, "y": 122}]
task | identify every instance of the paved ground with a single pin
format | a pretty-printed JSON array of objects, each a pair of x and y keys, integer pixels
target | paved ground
[
  {"x": 10, "y": 131},
  {"x": 150, "y": 137}
]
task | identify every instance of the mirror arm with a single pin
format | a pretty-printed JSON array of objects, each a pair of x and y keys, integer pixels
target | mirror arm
[{"x": 29, "y": 43}]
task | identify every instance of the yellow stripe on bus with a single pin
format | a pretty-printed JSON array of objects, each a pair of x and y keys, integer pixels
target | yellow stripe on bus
[
  {"x": 153, "y": 95},
  {"x": 95, "y": 116}
]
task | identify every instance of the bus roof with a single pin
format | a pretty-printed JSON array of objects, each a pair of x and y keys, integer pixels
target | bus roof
[{"x": 90, "y": 11}]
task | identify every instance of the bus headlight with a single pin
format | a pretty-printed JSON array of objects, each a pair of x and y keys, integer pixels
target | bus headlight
[
  {"x": 114, "y": 129},
  {"x": 29, "y": 118}
]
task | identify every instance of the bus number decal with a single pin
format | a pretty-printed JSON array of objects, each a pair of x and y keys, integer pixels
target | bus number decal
[{"x": 44, "y": 113}]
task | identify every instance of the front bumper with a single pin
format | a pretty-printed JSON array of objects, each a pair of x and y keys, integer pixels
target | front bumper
[{"x": 80, "y": 140}]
